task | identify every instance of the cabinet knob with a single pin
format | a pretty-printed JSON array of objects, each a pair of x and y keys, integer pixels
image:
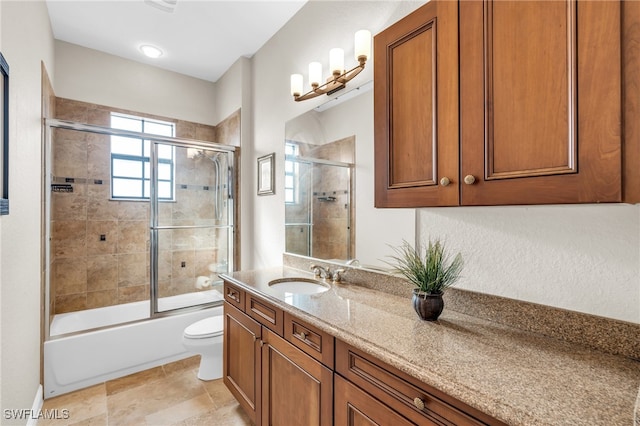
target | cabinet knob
[
  {"x": 303, "y": 335},
  {"x": 419, "y": 403},
  {"x": 445, "y": 181},
  {"x": 469, "y": 179}
]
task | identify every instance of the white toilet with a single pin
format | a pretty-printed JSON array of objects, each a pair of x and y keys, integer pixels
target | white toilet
[{"x": 205, "y": 338}]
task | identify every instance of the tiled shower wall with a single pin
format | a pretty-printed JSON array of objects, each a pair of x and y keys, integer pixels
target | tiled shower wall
[{"x": 100, "y": 247}]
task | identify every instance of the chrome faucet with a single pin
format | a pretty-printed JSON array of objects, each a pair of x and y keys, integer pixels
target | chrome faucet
[{"x": 322, "y": 272}]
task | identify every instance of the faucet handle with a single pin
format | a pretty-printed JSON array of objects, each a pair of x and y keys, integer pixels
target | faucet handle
[
  {"x": 316, "y": 269},
  {"x": 336, "y": 275}
]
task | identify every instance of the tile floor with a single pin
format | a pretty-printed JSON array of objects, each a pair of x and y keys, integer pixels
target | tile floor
[{"x": 167, "y": 395}]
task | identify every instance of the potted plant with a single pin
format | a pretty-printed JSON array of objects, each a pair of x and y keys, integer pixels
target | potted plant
[{"x": 432, "y": 272}]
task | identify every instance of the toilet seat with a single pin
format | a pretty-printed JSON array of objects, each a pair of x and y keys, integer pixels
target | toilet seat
[{"x": 208, "y": 327}]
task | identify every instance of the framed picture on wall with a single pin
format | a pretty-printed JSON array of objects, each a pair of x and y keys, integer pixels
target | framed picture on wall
[
  {"x": 4, "y": 137},
  {"x": 266, "y": 174}
]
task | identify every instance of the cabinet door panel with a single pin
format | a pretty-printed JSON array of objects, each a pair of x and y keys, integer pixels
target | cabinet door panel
[
  {"x": 531, "y": 88},
  {"x": 416, "y": 108},
  {"x": 540, "y": 87},
  {"x": 412, "y": 62},
  {"x": 241, "y": 361},
  {"x": 353, "y": 407},
  {"x": 294, "y": 386}
]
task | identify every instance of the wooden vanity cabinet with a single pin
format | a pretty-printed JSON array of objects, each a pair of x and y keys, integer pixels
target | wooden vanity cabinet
[
  {"x": 241, "y": 359},
  {"x": 383, "y": 392},
  {"x": 305, "y": 376},
  {"x": 273, "y": 380},
  {"x": 539, "y": 96},
  {"x": 296, "y": 389}
]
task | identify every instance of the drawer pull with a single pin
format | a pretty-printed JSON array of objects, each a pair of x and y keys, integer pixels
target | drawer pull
[
  {"x": 419, "y": 403},
  {"x": 233, "y": 295},
  {"x": 302, "y": 335}
]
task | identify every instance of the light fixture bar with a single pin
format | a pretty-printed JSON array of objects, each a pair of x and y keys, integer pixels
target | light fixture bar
[
  {"x": 333, "y": 84},
  {"x": 338, "y": 78}
]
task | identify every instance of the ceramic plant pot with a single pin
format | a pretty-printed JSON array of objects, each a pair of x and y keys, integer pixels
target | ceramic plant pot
[{"x": 427, "y": 306}]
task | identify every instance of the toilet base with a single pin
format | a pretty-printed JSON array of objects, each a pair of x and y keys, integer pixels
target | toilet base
[{"x": 210, "y": 367}]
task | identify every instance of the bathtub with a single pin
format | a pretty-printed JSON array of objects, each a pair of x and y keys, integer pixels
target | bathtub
[{"x": 83, "y": 359}]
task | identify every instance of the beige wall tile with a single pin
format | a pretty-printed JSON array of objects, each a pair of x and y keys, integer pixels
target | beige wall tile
[
  {"x": 133, "y": 210},
  {"x": 99, "y": 157},
  {"x": 186, "y": 271},
  {"x": 204, "y": 258},
  {"x": 71, "y": 303},
  {"x": 133, "y": 294},
  {"x": 183, "y": 239},
  {"x": 133, "y": 269},
  {"x": 70, "y": 205},
  {"x": 97, "y": 228},
  {"x": 70, "y": 276},
  {"x": 69, "y": 158},
  {"x": 133, "y": 236},
  {"x": 102, "y": 272},
  {"x": 102, "y": 298},
  {"x": 101, "y": 208},
  {"x": 69, "y": 238},
  {"x": 67, "y": 109}
]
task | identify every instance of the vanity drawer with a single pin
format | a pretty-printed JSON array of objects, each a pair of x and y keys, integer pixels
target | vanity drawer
[
  {"x": 408, "y": 396},
  {"x": 309, "y": 339},
  {"x": 234, "y": 295},
  {"x": 264, "y": 312}
]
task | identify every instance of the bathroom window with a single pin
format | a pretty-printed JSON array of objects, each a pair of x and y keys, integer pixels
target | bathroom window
[
  {"x": 130, "y": 162},
  {"x": 291, "y": 174}
]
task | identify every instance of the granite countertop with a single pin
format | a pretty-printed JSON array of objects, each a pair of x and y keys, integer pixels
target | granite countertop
[{"x": 518, "y": 377}]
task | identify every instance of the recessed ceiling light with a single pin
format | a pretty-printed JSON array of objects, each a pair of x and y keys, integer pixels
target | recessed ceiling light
[{"x": 150, "y": 51}]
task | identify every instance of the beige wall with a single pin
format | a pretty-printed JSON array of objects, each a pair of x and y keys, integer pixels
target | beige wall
[
  {"x": 309, "y": 36},
  {"x": 584, "y": 258},
  {"x": 88, "y": 75},
  {"x": 26, "y": 41}
]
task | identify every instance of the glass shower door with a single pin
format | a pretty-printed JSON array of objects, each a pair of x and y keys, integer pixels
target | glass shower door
[{"x": 191, "y": 225}]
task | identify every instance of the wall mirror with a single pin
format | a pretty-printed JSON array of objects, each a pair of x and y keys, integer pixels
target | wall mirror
[{"x": 329, "y": 175}]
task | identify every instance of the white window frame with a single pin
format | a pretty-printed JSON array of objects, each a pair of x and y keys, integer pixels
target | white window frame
[{"x": 143, "y": 158}]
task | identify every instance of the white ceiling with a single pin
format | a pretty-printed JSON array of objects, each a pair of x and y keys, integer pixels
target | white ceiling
[{"x": 200, "y": 38}]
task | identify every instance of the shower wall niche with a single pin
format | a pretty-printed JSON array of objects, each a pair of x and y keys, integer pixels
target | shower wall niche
[{"x": 100, "y": 247}]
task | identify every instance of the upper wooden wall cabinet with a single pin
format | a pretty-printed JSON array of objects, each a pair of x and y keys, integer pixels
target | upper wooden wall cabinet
[{"x": 508, "y": 102}]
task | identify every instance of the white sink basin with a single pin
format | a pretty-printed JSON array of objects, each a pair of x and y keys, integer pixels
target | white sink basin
[{"x": 299, "y": 285}]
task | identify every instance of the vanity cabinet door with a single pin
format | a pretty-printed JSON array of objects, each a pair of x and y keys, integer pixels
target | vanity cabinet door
[
  {"x": 416, "y": 109},
  {"x": 354, "y": 407},
  {"x": 296, "y": 389},
  {"x": 242, "y": 359}
]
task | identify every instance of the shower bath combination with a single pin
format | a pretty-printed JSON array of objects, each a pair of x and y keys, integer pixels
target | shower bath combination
[{"x": 123, "y": 270}]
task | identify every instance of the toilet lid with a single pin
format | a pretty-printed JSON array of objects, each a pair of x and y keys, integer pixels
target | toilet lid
[{"x": 208, "y": 327}]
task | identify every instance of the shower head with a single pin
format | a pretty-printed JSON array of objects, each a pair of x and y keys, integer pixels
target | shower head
[{"x": 195, "y": 153}]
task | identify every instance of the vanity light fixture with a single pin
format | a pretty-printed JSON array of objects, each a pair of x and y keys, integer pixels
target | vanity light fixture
[
  {"x": 150, "y": 51},
  {"x": 339, "y": 77}
]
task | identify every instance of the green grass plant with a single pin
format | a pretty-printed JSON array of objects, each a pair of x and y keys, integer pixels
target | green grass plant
[{"x": 432, "y": 271}]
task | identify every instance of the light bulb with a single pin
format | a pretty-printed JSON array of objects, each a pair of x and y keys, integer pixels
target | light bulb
[
  {"x": 362, "y": 44},
  {"x": 336, "y": 60},
  {"x": 150, "y": 51},
  {"x": 296, "y": 84},
  {"x": 315, "y": 73}
]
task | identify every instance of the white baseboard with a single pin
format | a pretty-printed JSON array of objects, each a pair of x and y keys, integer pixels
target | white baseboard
[{"x": 37, "y": 406}]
